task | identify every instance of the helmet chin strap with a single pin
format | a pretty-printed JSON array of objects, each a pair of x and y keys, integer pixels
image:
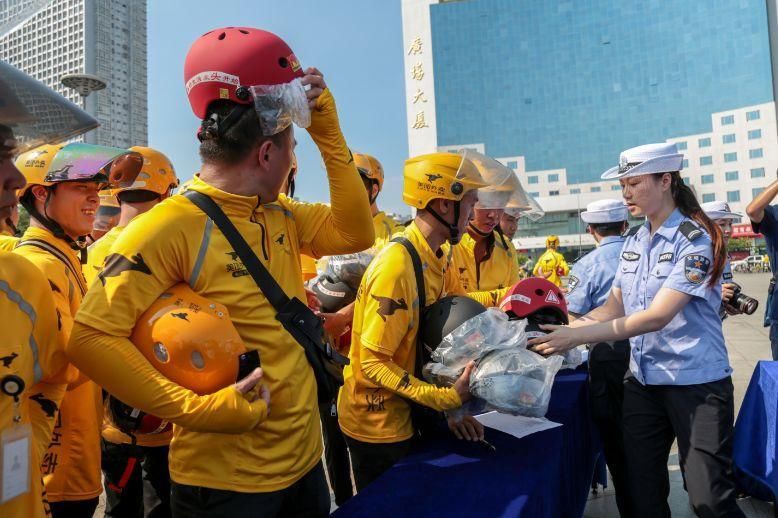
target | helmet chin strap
[
  {"x": 453, "y": 229},
  {"x": 478, "y": 231},
  {"x": 11, "y": 225},
  {"x": 55, "y": 228}
]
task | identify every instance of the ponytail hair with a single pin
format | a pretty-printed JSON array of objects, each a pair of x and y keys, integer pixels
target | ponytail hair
[{"x": 687, "y": 203}]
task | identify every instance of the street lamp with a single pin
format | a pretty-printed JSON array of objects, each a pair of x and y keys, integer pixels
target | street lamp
[{"x": 84, "y": 84}]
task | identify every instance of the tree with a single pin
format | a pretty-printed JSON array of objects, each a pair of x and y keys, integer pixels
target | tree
[
  {"x": 739, "y": 244},
  {"x": 24, "y": 220}
]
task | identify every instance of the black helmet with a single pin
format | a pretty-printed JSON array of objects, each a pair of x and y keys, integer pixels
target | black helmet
[
  {"x": 133, "y": 421},
  {"x": 332, "y": 294},
  {"x": 442, "y": 317}
]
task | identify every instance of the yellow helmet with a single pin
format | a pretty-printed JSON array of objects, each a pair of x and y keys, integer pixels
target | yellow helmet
[
  {"x": 54, "y": 163},
  {"x": 438, "y": 175},
  {"x": 369, "y": 167},
  {"x": 157, "y": 174},
  {"x": 552, "y": 240},
  {"x": 34, "y": 165}
]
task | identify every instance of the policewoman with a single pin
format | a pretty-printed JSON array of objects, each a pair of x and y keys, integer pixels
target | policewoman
[
  {"x": 588, "y": 288},
  {"x": 723, "y": 216},
  {"x": 665, "y": 298}
]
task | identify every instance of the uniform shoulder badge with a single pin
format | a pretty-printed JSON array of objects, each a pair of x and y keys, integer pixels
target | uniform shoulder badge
[
  {"x": 631, "y": 231},
  {"x": 572, "y": 283},
  {"x": 690, "y": 230},
  {"x": 696, "y": 268}
]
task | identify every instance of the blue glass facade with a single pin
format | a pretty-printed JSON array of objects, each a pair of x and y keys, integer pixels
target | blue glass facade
[{"x": 569, "y": 84}]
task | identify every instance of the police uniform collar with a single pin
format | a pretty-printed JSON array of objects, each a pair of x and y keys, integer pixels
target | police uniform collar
[
  {"x": 611, "y": 239},
  {"x": 670, "y": 226},
  {"x": 233, "y": 205}
]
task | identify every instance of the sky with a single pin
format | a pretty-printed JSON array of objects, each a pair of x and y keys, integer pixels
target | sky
[{"x": 357, "y": 45}]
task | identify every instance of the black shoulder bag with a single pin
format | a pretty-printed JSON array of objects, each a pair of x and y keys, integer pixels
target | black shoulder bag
[
  {"x": 296, "y": 317},
  {"x": 425, "y": 420}
]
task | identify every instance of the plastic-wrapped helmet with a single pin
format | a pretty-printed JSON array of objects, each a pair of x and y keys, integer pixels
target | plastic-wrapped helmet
[
  {"x": 537, "y": 299},
  {"x": 192, "y": 342},
  {"x": 333, "y": 294},
  {"x": 349, "y": 268},
  {"x": 445, "y": 315}
]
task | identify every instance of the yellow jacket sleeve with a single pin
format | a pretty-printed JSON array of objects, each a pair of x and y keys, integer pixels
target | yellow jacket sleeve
[
  {"x": 115, "y": 364},
  {"x": 563, "y": 265},
  {"x": 487, "y": 298},
  {"x": 347, "y": 225},
  {"x": 382, "y": 371}
]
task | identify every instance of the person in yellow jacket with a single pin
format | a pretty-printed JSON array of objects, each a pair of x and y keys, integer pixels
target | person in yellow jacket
[
  {"x": 372, "y": 173},
  {"x": 273, "y": 468},
  {"x": 32, "y": 352},
  {"x": 135, "y": 468},
  {"x": 551, "y": 264},
  {"x": 380, "y": 382},
  {"x": 61, "y": 196},
  {"x": 484, "y": 259},
  {"x": 8, "y": 232},
  {"x": 107, "y": 216}
]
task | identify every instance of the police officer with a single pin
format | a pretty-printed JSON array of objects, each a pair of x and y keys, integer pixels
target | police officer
[
  {"x": 665, "y": 298},
  {"x": 723, "y": 216},
  {"x": 588, "y": 288}
]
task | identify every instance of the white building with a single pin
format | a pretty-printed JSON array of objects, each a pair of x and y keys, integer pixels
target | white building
[
  {"x": 733, "y": 162},
  {"x": 105, "y": 38}
]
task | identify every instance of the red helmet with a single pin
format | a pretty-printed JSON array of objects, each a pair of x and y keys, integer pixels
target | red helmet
[
  {"x": 222, "y": 60},
  {"x": 536, "y": 297}
]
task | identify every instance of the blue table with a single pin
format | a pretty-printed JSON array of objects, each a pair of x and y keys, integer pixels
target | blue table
[
  {"x": 756, "y": 435},
  {"x": 546, "y": 474}
]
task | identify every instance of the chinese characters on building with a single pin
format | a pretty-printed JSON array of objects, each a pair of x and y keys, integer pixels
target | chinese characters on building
[{"x": 417, "y": 74}]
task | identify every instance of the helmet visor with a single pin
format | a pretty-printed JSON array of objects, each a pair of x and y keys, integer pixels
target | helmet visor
[
  {"x": 278, "y": 106},
  {"x": 36, "y": 114},
  {"x": 81, "y": 162},
  {"x": 469, "y": 176},
  {"x": 521, "y": 204},
  {"x": 500, "y": 180}
]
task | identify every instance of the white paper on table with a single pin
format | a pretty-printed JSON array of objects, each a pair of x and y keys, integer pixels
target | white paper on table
[{"x": 516, "y": 425}]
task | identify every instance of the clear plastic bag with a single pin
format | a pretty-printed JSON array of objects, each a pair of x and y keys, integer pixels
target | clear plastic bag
[
  {"x": 440, "y": 375},
  {"x": 349, "y": 268},
  {"x": 486, "y": 332},
  {"x": 573, "y": 358},
  {"x": 278, "y": 106},
  {"x": 515, "y": 381}
]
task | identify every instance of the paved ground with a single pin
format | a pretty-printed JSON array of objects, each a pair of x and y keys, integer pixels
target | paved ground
[{"x": 748, "y": 342}]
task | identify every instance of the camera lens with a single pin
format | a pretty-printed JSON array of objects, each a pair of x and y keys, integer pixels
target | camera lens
[{"x": 746, "y": 304}]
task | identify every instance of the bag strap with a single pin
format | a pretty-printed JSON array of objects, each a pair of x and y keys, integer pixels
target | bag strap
[
  {"x": 266, "y": 283},
  {"x": 417, "y": 269},
  {"x": 422, "y": 294}
]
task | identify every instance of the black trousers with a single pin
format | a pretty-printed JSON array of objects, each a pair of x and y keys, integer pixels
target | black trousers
[
  {"x": 701, "y": 418},
  {"x": 137, "y": 480},
  {"x": 608, "y": 363},
  {"x": 309, "y": 497},
  {"x": 370, "y": 460},
  {"x": 336, "y": 455},
  {"x": 74, "y": 509}
]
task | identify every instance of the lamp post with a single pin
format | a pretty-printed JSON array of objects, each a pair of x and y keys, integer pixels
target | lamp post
[{"x": 84, "y": 84}]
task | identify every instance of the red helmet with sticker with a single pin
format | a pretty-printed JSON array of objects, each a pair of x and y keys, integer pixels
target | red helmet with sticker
[
  {"x": 537, "y": 298},
  {"x": 223, "y": 60}
]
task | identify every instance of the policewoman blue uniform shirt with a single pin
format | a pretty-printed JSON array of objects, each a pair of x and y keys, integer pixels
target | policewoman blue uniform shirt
[
  {"x": 590, "y": 280},
  {"x": 690, "y": 349}
]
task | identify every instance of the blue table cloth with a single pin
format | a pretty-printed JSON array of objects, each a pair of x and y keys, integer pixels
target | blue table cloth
[
  {"x": 756, "y": 432},
  {"x": 545, "y": 474}
]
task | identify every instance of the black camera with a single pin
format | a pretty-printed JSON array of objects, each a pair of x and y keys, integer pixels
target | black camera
[{"x": 743, "y": 302}]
